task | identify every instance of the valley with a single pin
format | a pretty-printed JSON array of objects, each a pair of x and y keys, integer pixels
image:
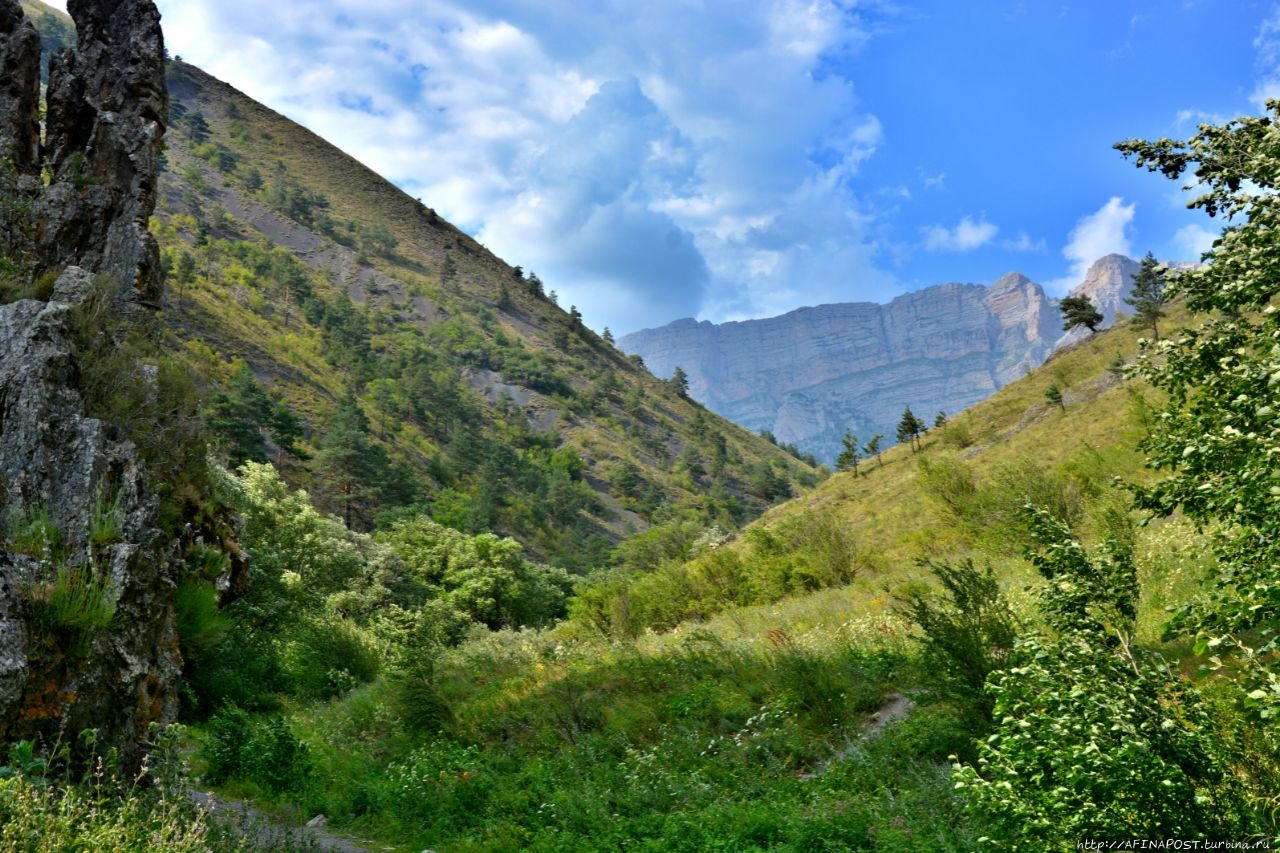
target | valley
[{"x": 310, "y": 500}]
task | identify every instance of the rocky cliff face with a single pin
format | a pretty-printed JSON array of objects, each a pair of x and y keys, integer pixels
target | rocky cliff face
[
  {"x": 86, "y": 574},
  {"x": 808, "y": 375},
  {"x": 1107, "y": 283}
]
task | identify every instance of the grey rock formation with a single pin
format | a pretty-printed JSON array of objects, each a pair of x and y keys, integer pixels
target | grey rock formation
[
  {"x": 19, "y": 89},
  {"x": 87, "y": 576},
  {"x": 808, "y": 375},
  {"x": 59, "y": 677},
  {"x": 106, "y": 104},
  {"x": 1107, "y": 283}
]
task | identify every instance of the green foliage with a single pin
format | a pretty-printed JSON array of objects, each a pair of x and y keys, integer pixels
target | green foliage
[
  {"x": 197, "y": 618},
  {"x": 989, "y": 511},
  {"x": 1054, "y": 395},
  {"x": 848, "y": 458},
  {"x": 1218, "y": 435},
  {"x": 672, "y": 574},
  {"x": 327, "y": 655},
  {"x": 484, "y": 577},
  {"x": 74, "y": 606},
  {"x": 1149, "y": 295},
  {"x": 679, "y": 382},
  {"x": 262, "y": 751},
  {"x": 145, "y": 815},
  {"x": 1095, "y": 739},
  {"x": 1079, "y": 311},
  {"x": 910, "y": 428},
  {"x": 968, "y": 634},
  {"x": 35, "y": 533}
]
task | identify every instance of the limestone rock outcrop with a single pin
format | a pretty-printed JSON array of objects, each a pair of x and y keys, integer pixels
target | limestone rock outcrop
[
  {"x": 1107, "y": 283},
  {"x": 87, "y": 574},
  {"x": 808, "y": 375},
  {"x": 106, "y": 105}
]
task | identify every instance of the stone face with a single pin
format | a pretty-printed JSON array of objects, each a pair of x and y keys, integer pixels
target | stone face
[
  {"x": 1107, "y": 283},
  {"x": 60, "y": 673},
  {"x": 55, "y": 460},
  {"x": 106, "y": 104},
  {"x": 808, "y": 375},
  {"x": 19, "y": 89}
]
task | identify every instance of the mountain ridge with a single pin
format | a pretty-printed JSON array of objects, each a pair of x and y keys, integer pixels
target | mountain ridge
[{"x": 938, "y": 349}]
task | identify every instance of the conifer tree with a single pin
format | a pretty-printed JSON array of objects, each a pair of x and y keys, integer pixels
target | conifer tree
[
  {"x": 848, "y": 458},
  {"x": 1148, "y": 299},
  {"x": 910, "y": 428},
  {"x": 348, "y": 464},
  {"x": 1079, "y": 311},
  {"x": 872, "y": 448}
]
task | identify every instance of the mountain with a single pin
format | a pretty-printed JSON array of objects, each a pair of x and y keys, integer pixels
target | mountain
[
  {"x": 1107, "y": 283},
  {"x": 447, "y": 379},
  {"x": 807, "y": 376}
]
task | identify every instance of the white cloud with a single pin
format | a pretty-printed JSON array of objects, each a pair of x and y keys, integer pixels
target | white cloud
[
  {"x": 1192, "y": 241},
  {"x": 966, "y": 236},
  {"x": 1023, "y": 243},
  {"x": 647, "y": 160},
  {"x": 1267, "y": 61},
  {"x": 1102, "y": 232}
]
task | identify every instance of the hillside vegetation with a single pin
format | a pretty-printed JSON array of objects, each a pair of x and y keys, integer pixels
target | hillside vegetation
[
  {"x": 1051, "y": 620},
  {"x": 382, "y": 358}
]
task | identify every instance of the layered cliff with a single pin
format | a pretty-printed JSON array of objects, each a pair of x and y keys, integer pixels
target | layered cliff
[{"x": 808, "y": 375}]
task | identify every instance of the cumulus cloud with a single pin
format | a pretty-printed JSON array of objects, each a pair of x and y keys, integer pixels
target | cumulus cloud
[
  {"x": 1192, "y": 241},
  {"x": 648, "y": 160},
  {"x": 1103, "y": 232},
  {"x": 966, "y": 236}
]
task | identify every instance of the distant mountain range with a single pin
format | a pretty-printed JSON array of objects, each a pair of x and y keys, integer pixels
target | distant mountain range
[{"x": 810, "y": 374}]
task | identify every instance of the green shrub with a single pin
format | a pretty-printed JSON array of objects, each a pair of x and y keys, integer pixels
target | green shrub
[
  {"x": 416, "y": 697},
  {"x": 197, "y": 618},
  {"x": 259, "y": 750},
  {"x": 327, "y": 655},
  {"x": 968, "y": 632},
  {"x": 1096, "y": 739}
]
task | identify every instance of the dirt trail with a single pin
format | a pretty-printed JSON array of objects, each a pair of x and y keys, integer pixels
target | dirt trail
[
  {"x": 895, "y": 708},
  {"x": 272, "y": 833}
]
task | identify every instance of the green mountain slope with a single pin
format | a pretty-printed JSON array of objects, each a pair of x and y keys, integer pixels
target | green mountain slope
[{"x": 410, "y": 365}]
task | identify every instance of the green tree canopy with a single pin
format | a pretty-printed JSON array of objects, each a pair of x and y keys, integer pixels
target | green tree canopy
[
  {"x": 1219, "y": 434},
  {"x": 1148, "y": 297},
  {"x": 1079, "y": 311},
  {"x": 848, "y": 458}
]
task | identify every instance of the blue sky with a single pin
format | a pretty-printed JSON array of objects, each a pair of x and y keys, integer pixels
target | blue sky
[{"x": 727, "y": 160}]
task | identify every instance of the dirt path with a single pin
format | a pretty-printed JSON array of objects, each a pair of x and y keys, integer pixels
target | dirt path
[
  {"x": 895, "y": 707},
  {"x": 271, "y": 833}
]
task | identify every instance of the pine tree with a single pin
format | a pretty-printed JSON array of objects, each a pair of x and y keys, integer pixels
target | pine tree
[
  {"x": 872, "y": 448},
  {"x": 679, "y": 382},
  {"x": 348, "y": 464},
  {"x": 1148, "y": 299},
  {"x": 1079, "y": 311},
  {"x": 1054, "y": 395},
  {"x": 848, "y": 458},
  {"x": 910, "y": 428}
]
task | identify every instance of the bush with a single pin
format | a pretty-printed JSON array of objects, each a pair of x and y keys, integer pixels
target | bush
[
  {"x": 259, "y": 750},
  {"x": 327, "y": 656},
  {"x": 968, "y": 633}
]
